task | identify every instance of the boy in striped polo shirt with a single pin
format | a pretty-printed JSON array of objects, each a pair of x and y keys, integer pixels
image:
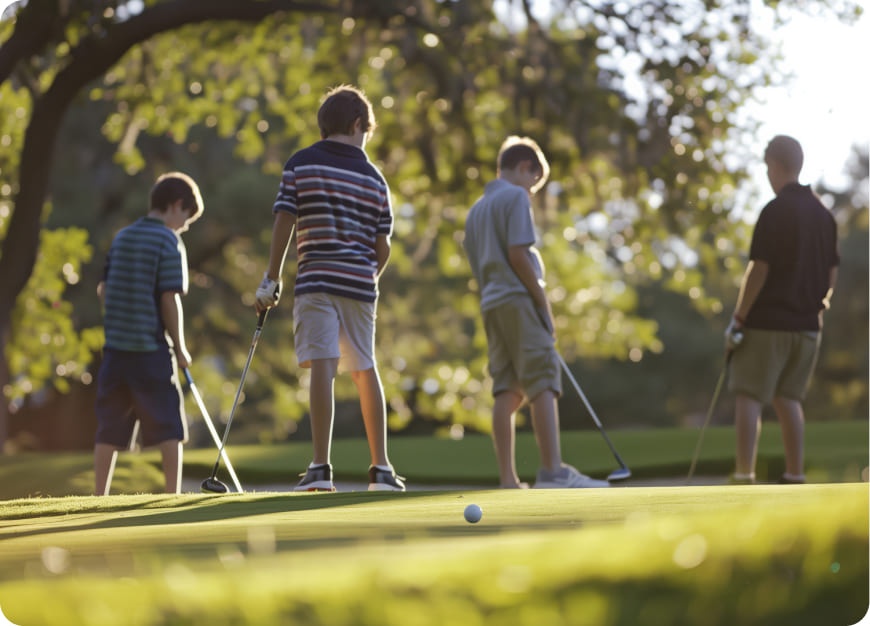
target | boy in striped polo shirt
[
  {"x": 144, "y": 279},
  {"x": 339, "y": 204}
]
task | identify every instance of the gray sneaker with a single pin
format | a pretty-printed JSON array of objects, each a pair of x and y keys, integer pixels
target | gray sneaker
[
  {"x": 382, "y": 480},
  {"x": 317, "y": 478},
  {"x": 566, "y": 478}
]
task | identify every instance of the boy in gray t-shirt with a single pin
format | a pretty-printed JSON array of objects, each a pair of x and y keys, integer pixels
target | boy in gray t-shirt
[{"x": 523, "y": 363}]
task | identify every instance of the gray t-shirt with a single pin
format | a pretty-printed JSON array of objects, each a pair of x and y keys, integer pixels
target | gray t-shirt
[{"x": 501, "y": 218}]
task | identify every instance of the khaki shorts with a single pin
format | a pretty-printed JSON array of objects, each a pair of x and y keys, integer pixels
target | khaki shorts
[
  {"x": 774, "y": 364},
  {"x": 332, "y": 327},
  {"x": 522, "y": 353}
]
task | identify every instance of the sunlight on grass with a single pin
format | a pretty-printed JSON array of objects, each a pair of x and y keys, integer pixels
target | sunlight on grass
[{"x": 779, "y": 555}]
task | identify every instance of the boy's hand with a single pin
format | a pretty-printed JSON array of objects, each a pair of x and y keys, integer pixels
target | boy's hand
[
  {"x": 733, "y": 336},
  {"x": 268, "y": 293},
  {"x": 182, "y": 357},
  {"x": 546, "y": 315}
]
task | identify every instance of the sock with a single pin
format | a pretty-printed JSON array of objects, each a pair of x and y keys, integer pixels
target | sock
[{"x": 386, "y": 468}]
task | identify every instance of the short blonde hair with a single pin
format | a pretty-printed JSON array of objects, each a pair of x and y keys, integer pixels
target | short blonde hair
[{"x": 515, "y": 149}]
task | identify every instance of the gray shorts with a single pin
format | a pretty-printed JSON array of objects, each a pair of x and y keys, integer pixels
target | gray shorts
[
  {"x": 522, "y": 353},
  {"x": 332, "y": 327},
  {"x": 774, "y": 364}
]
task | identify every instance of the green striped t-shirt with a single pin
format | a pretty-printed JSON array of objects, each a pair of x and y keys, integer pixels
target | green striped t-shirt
[{"x": 145, "y": 260}]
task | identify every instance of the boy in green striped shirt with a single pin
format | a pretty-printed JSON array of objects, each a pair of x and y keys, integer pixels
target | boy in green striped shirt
[{"x": 143, "y": 281}]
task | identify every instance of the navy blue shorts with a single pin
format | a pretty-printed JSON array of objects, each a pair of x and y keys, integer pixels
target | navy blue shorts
[{"x": 143, "y": 386}]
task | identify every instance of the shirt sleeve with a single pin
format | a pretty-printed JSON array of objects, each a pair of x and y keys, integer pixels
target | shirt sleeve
[
  {"x": 286, "y": 198},
  {"x": 763, "y": 243},
  {"x": 172, "y": 268},
  {"x": 520, "y": 227},
  {"x": 385, "y": 221}
]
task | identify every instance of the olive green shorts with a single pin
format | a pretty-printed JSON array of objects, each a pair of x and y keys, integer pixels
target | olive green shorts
[
  {"x": 772, "y": 364},
  {"x": 522, "y": 353}
]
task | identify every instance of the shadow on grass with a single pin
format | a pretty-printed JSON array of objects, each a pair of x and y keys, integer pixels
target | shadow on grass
[{"x": 197, "y": 509}]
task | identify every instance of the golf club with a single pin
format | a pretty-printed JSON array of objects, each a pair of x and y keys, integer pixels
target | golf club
[
  {"x": 212, "y": 484},
  {"x": 719, "y": 384},
  {"x": 618, "y": 474},
  {"x": 211, "y": 429},
  {"x": 131, "y": 447}
]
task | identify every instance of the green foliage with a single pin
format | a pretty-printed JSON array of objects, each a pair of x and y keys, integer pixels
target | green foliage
[
  {"x": 635, "y": 106},
  {"x": 47, "y": 347}
]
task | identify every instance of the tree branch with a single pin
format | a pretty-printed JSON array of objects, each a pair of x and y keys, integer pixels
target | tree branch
[{"x": 95, "y": 55}]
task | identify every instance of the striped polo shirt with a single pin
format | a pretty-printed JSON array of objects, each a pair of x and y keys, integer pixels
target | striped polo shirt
[
  {"x": 342, "y": 204},
  {"x": 145, "y": 260}
]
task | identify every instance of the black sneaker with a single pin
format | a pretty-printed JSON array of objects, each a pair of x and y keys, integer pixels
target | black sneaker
[
  {"x": 384, "y": 480},
  {"x": 317, "y": 478}
]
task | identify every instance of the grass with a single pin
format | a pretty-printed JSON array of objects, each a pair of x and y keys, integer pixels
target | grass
[
  {"x": 702, "y": 555},
  {"x": 768, "y": 555},
  {"x": 835, "y": 452}
]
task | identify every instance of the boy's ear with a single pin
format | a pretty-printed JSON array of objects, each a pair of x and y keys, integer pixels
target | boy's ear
[{"x": 524, "y": 166}]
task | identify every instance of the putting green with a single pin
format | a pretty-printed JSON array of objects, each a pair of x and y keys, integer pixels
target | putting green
[{"x": 659, "y": 555}]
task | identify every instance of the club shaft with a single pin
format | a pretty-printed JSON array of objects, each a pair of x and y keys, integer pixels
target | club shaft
[
  {"x": 254, "y": 341},
  {"x": 212, "y": 430},
  {"x": 716, "y": 393},
  {"x": 591, "y": 411}
]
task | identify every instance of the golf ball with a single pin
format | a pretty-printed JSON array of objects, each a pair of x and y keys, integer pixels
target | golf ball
[{"x": 473, "y": 513}]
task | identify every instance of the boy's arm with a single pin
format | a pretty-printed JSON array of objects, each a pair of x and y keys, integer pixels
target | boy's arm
[
  {"x": 753, "y": 280},
  {"x": 520, "y": 259},
  {"x": 282, "y": 232},
  {"x": 269, "y": 291},
  {"x": 172, "y": 314},
  {"x": 382, "y": 252}
]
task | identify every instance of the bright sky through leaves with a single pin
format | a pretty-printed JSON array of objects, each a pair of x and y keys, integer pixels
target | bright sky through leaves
[{"x": 825, "y": 105}]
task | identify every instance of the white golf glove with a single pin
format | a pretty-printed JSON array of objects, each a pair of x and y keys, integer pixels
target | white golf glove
[
  {"x": 268, "y": 293},
  {"x": 733, "y": 336}
]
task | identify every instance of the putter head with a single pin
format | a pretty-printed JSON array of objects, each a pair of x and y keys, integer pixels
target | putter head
[
  {"x": 619, "y": 474},
  {"x": 213, "y": 485}
]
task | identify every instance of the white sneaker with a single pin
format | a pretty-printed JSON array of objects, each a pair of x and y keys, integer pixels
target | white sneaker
[{"x": 566, "y": 478}]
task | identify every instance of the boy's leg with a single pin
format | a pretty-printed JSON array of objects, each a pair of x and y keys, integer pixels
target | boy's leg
[
  {"x": 171, "y": 453},
  {"x": 322, "y": 408},
  {"x": 791, "y": 388},
  {"x": 545, "y": 420},
  {"x": 747, "y": 422},
  {"x": 105, "y": 457},
  {"x": 504, "y": 437},
  {"x": 372, "y": 405},
  {"x": 791, "y": 420}
]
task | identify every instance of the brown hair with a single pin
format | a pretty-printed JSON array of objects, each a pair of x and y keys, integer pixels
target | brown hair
[
  {"x": 517, "y": 149},
  {"x": 172, "y": 187},
  {"x": 341, "y": 107}
]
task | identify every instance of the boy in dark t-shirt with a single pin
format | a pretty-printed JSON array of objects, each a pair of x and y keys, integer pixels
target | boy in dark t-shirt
[{"x": 785, "y": 290}]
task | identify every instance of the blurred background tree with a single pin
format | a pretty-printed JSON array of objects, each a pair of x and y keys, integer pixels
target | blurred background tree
[{"x": 637, "y": 229}]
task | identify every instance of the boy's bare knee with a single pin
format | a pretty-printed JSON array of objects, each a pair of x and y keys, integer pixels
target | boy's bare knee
[{"x": 362, "y": 375}]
